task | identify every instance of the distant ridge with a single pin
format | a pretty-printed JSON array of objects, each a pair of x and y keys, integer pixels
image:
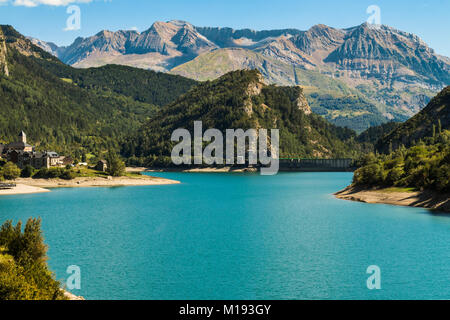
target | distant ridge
[
  {"x": 434, "y": 118},
  {"x": 385, "y": 53}
]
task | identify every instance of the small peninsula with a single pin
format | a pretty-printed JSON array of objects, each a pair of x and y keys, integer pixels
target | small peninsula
[{"x": 397, "y": 196}]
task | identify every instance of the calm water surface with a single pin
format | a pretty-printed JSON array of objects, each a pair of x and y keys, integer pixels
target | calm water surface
[{"x": 239, "y": 236}]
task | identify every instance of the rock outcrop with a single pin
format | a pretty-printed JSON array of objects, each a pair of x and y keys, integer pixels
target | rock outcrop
[{"x": 3, "y": 54}]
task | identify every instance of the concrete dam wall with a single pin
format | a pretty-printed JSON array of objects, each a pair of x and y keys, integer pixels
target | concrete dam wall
[{"x": 316, "y": 165}]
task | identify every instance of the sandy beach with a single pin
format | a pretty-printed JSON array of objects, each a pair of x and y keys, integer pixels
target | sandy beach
[
  {"x": 96, "y": 182},
  {"x": 22, "y": 189},
  {"x": 426, "y": 199},
  {"x": 28, "y": 185}
]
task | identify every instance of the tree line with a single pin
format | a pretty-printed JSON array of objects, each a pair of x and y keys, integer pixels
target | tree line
[{"x": 424, "y": 166}]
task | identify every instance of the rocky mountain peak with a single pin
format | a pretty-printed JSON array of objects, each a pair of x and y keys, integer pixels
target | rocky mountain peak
[
  {"x": 164, "y": 29},
  {"x": 168, "y": 37},
  {"x": 49, "y": 47},
  {"x": 105, "y": 34},
  {"x": 181, "y": 23},
  {"x": 319, "y": 37},
  {"x": 391, "y": 54}
]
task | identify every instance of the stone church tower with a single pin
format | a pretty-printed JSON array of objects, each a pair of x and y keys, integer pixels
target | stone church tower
[{"x": 23, "y": 137}]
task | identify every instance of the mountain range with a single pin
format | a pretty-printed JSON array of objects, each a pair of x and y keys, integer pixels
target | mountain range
[
  {"x": 356, "y": 77},
  {"x": 78, "y": 111}
]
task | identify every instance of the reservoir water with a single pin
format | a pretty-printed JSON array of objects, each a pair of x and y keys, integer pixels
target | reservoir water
[{"x": 239, "y": 236}]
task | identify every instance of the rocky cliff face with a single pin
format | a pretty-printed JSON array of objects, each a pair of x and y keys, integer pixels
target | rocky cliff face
[
  {"x": 228, "y": 37},
  {"x": 170, "y": 39},
  {"x": 389, "y": 56},
  {"x": 303, "y": 105},
  {"x": 319, "y": 41},
  {"x": 103, "y": 43},
  {"x": 3, "y": 53},
  {"x": 10, "y": 38}
]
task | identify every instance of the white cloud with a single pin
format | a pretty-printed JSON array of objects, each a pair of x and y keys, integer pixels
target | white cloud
[{"x": 35, "y": 3}]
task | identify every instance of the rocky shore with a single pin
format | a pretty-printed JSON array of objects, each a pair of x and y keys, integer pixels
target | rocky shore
[{"x": 422, "y": 199}]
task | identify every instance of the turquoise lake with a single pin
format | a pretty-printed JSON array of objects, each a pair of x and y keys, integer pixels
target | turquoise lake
[{"x": 239, "y": 236}]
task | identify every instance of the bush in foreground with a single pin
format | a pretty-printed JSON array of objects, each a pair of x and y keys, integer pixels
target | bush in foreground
[
  {"x": 10, "y": 171},
  {"x": 24, "y": 274}
]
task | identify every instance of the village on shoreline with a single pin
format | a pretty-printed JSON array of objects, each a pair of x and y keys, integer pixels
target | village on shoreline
[{"x": 24, "y": 160}]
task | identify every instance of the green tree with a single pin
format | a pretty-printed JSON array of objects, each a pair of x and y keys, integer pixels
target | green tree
[
  {"x": 10, "y": 171},
  {"x": 394, "y": 175},
  {"x": 116, "y": 167},
  {"x": 24, "y": 274},
  {"x": 424, "y": 167},
  {"x": 370, "y": 175},
  {"x": 27, "y": 172},
  {"x": 68, "y": 174}
]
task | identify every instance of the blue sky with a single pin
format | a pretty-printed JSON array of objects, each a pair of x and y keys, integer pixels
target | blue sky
[{"x": 46, "y": 19}]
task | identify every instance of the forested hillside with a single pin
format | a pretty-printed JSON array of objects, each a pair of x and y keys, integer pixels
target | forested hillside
[
  {"x": 373, "y": 134},
  {"x": 428, "y": 123},
  {"x": 72, "y": 111},
  {"x": 240, "y": 99},
  {"x": 413, "y": 154},
  {"x": 424, "y": 166},
  {"x": 141, "y": 85}
]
